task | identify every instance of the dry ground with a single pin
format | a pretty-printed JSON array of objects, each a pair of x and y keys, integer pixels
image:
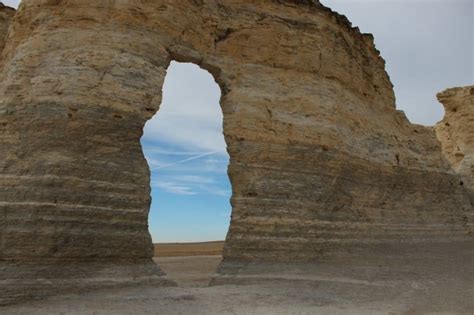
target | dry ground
[
  {"x": 400, "y": 280},
  {"x": 189, "y": 249},
  {"x": 191, "y": 271}
]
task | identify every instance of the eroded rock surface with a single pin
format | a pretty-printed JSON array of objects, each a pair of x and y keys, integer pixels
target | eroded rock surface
[
  {"x": 321, "y": 160},
  {"x": 456, "y": 132},
  {"x": 6, "y": 15}
]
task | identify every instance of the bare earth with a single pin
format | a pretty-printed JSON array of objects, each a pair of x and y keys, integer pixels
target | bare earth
[
  {"x": 189, "y": 249},
  {"x": 403, "y": 279},
  {"x": 191, "y": 271}
]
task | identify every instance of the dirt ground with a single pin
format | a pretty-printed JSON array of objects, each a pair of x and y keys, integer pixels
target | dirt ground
[
  {"x": 189, "y": 249},
  {"x": 405, "y": 280},
  {"x": 192, "y": 271}
]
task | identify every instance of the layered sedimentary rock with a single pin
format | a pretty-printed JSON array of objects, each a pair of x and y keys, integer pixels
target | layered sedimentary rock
[
  {"x": 320, "y": 157},
  {"x": 6, "y": 15},
  {"x": 456, "y": 132}
]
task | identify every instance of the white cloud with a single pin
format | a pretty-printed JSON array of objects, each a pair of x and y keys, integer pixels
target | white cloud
[
  {"x": 186, "y": 160},
  {"x": 153, "y": 163},
  {"x": 190, "y": 185},
  {"x": 192, "y": 168},
  {"x": 11, "y": 3},
  {"x": 162, "y": 151},
  {"x": 174, "y": 188},
  {"x": 218, "y": 191},
  {"x": 190, "y": 115},
  {"x": 428, "y": 46},
  {"x": 196, "y": 179}
]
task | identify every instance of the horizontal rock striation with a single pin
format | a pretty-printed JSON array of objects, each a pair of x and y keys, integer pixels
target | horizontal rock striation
[
  {"x": 6, "y": 15},
  {"x": 320, "y": 157},
  {"x": 455, "y": 132}
]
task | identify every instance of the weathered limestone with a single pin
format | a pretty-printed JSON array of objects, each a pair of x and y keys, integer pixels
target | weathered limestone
[
  {"x": 456, "y": 132},
  {"x": 320, "y": 158},
  {"x": 6, "y": 15}
]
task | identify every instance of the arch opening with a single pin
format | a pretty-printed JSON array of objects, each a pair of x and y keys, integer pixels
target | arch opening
[{"x": 187, "y": 154}]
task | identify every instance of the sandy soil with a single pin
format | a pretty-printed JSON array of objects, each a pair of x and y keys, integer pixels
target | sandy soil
[
  {"x": 405, "y": 280},
  {"x": 192, "y": 271}
]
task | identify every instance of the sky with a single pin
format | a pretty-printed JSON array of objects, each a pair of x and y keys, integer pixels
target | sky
[
  {"x": 428, "y": 46},
  {"x": 186, "y": 151}
]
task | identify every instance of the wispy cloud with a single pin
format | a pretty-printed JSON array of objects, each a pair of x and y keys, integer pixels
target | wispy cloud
[
  {"x": 190, "y": 115},
  {"x": 174, "y": 188},
  {"x": 195, "y": 179},
  {"x": 200, "y": 156},
  {"x": 191, "y": 185},
  {"x": 194, "y": 162},
  {"x": 157, "y": 150},
  {"x": 152, "y": 162},
  {"x": 184, "y": 143},
  {"x": 213, "y": 190}
]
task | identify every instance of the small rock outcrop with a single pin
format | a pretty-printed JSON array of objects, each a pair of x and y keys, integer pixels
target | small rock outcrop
[
  {"x": 456, "y": 132},
  {"x": 320, "y": 159}
]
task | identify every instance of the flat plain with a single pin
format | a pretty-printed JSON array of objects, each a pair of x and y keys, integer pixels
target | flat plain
[{"x": 189, "y": 249}]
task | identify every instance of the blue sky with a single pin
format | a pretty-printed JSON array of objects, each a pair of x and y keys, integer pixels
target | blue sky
[
  {"x": 186, "y": 151},
  {"x": 428, "y": 46}
]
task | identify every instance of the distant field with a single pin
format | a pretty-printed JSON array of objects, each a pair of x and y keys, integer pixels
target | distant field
[{"x": 188, "y": 249}]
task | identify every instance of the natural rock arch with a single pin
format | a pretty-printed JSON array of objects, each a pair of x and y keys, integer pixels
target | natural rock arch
[{"x": 320, "y": 157}]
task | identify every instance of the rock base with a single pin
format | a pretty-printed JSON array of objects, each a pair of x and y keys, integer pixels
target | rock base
[{"x": 38, "y": 280}]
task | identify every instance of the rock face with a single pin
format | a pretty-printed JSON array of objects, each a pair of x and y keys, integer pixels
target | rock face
[
  {"x": 6, "y": 15},
  {"x": 456, "y": 132},
  {"x": 321, "y": 160}
]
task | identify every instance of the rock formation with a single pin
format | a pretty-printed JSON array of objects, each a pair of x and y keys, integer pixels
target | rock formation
[
  {"x": 320, "y": 157},
  {"x": 6, "y": 14},
  {"x": 456, "y": 132}
]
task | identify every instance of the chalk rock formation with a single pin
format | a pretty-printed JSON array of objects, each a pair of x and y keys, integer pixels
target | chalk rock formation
[
  {"x": 6, "y": 14},
  {"x": 456, "y": 132},
  {"x": 320, "y": 157}
]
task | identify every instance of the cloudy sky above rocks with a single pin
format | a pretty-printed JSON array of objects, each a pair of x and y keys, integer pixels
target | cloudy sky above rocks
[{"x": 428, "y": 46}]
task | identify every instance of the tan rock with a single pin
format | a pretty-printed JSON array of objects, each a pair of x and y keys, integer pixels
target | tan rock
[
  {"x": 6, "y": 15},
  {"x": 321, "y": 160},
  {"x": 455, "y": 132}
]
